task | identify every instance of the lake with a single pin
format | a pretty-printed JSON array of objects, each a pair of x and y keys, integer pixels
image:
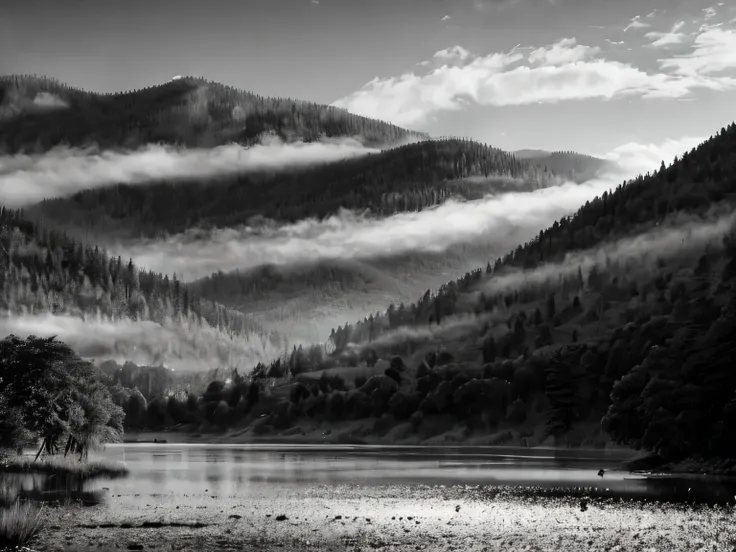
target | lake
[
  {"x": 168, "y": 470},
  {"x": 210, "y": 498}
]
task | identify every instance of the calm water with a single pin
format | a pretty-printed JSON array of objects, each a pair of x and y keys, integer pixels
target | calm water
[
  {"x": 175, "y": 471},
  {"x": 171, "y": 473}
]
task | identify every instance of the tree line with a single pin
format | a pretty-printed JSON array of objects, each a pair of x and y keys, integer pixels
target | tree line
[{"x": 189, "y": 111}]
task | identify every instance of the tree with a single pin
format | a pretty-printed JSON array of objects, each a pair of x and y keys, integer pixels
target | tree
[{"x": 55, "y": 395}]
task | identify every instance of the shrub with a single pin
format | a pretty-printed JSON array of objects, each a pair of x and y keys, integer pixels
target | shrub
[
  {"x": 334, "y": 406},
  {"x": 516, "y": 412},
  {"x": 360, "y": 381},
  {"x": 19, "y": 524},
  {"x": 416, "y": 419},
  {"x": 357, "y": 405},
  {"x": 262, "y": 427}
]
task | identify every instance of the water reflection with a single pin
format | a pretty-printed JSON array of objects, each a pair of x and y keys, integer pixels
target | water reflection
[{"x": 172, "y": 473}]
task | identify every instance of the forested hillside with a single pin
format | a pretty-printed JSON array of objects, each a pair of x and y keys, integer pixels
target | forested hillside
[
  {"x": 621, "y": 316},
  {"x": 407, "y": 178},
  {"x": 43, "y": 271},
  {"x": 38, "y": 113}
]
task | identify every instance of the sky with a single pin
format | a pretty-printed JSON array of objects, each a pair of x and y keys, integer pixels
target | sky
[{"x": 584, "y": 75}]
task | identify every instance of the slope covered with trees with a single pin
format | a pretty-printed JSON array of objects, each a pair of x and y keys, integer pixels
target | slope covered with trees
[
  {"x": 38, "y": 113},
  {"x": 569, "y": 332},
  {"x": 407, "y": 178},
  {"x": 43, "y": 271}
]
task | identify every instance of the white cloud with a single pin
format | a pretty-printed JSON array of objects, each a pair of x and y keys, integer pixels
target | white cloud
[
  {"x": 446, "y": 18},
  {"x": 615, "y": 42},
  {"x": 561, "y": 72},
  {"x": 636, "y": 23},
  {"x": 453, "y": 53},
  {"x": 565, "y": 51},
  {"x": 661, "y": 40},
  {"x": 651, "y": 14},
  {"x": 709, "y": 13},
  {"x": 27, "y": 179},
  {"x": 47, "y": 100},
  {"x": 714, "y": 51}
]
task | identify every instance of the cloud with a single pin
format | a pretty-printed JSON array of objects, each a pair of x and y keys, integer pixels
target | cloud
[
  {"x": 451, "y": 54},
  {"x": 47, "y": 100},
  {"x": 636, "y": 23},
  {"x": 446, "y": 18},
  {"x": 506, "y": 220},
  {"x": 27, "y": 179},
  {"x": 635, "y": 158},
  {"x": 709, "y": 13},
  {"x": 714, "y": 51},
  {"x": 671, "y": 38},
  {"x": 563, "y": 71},
  {"x": 563, "y": 52},
  {"x": 615, "y": 42},
  {"x": 679, "y": 234},
  {"x": 190, "y": 346}
]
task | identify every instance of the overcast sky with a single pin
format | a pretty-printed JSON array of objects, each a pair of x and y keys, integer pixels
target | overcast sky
[{"x": 586, "y": 75}]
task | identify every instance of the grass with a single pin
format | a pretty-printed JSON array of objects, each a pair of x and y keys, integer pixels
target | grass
[
  {"x": 19, "y": 524},
  {"x": 60, "y": 465}
]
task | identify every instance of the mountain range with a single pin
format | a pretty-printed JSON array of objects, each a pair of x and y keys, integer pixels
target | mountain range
[{"x": 587, "y": 329}]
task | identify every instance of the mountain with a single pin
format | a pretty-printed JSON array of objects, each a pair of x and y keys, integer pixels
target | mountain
[
  {"x": 38, "y": 113},
  {"x": 46, "y": 276},
  {"x": 575, "y": 166},
  {"x": 406, "y": 178},
  {"x": 617, "y": 323}
]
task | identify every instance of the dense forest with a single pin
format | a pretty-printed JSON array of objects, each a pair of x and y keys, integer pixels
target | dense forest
[
  {"x": 408, "y": 178},
  {"x": 44, "y": 271},
  {"x": 38, "y": 113}
]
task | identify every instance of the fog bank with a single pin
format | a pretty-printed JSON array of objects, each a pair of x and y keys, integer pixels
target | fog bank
[
  {"x": 179, "y": 346},
  {"x": 62, "y": 171}
]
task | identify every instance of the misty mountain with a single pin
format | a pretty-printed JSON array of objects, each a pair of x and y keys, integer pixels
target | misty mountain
[
  {"x": 621, "y": 317},
  {"x": 407, "y": 178},
  {"x": 45, "y": 274},
  {"x": 569, "y": 164},
  {"x": 38, "y": 113}
]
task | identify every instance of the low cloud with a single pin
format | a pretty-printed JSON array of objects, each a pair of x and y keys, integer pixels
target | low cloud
[
  {"x": 27, "y": 179},
  {"x": 680, "y": 234},
  {"x": 507, "y": 220},
  {"x": 47, "y": 100},
  {"x": 563, "y": 71},
  {"x": 182, "y": 347}
]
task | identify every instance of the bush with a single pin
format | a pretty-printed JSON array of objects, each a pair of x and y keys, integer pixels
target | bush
[
  {"x": 416, "y": 419},
  {"x": 19, "y": 524},
  {"x": 262, "y": 427},
  {"x": 357, "y": 405},
  {"x": 334, "y": 406},
  {"x": 516, "y": 412},
  {"x": 428, "y": 383},
  {"x": 360, "y": 381}
]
